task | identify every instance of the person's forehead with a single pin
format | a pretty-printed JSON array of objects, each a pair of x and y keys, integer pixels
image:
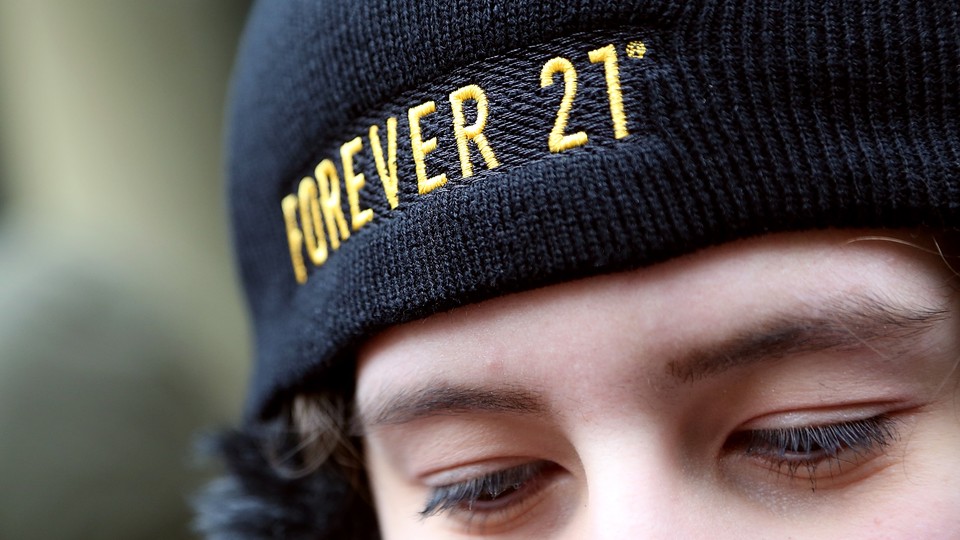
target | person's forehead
[{"x": 664, "y": 311}]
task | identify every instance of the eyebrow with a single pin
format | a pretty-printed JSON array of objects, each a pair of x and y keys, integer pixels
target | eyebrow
[
  {"x": 443, "y": 399},
  {"x": 852, "y": 323},
  {"x": 847, "y": 324}
]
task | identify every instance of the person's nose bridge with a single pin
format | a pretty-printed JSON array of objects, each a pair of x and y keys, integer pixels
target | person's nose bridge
[{"x": 636, "y": 494}]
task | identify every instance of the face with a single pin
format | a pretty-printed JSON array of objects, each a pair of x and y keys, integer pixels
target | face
[{"x": 800, "y": 385}]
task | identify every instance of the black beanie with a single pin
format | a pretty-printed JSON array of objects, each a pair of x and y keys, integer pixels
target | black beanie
[{"x": 393, "y": 159}]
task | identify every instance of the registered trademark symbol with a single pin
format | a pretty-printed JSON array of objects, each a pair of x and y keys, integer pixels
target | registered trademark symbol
[{"x": 636, "y": 49}]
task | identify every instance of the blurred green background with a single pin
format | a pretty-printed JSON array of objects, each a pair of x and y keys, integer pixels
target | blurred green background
[{"x": 122, "y": 334}]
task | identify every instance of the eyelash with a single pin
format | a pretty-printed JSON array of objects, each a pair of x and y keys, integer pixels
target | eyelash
[
  {"x": 809, "y": 447},
  {"x": 510, "y": 486},
  {"x": 793, "y": 448}
]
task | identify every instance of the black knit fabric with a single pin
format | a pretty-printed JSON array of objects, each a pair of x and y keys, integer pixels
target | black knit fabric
[{"x": 744, "y": 116}]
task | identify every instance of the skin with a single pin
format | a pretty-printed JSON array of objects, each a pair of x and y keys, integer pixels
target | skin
[{"x": 634, "y": 395}]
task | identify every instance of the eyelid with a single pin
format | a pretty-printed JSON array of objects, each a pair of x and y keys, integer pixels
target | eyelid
[
  {"x": 821, "y": 416},
  {"x": 861, "y": 434},
  {"x": 836, "y": 452},
  {"x": 461, "y": 473},
  {"x": 519, "y": 482}
]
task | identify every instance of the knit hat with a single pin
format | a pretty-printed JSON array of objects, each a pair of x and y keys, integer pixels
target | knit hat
[{"x": 393, "y": 159}]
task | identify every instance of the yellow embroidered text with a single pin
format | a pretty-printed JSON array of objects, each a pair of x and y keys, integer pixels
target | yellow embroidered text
[
  {"x": 354, "y": 183},
  {"x": 421, "y": 148},
  {"x": 388, "y": 170},
  {"x": 314, "y": 217},
  {"x": 473, "y": 132},
  {"x": 311, "y": 223},
  {"x": 330, "y": 203},
  {"x": 558, "y": 141},
  {"x": 608, "y": 55},
  {"x": 294, "y": 237}
]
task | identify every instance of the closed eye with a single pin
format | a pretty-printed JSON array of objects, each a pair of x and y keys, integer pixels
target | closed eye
[
  {"x": 491, "y": 492},
  {"x": 805, "y": 450}
]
